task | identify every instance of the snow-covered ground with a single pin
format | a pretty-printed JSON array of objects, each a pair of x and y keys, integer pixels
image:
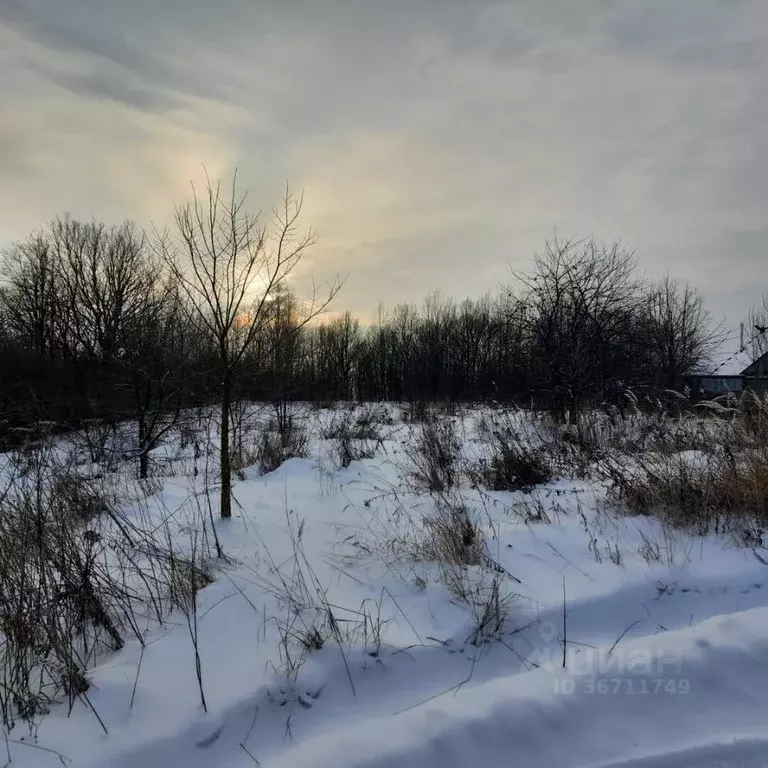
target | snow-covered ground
[{"x": 622, "y": 644}]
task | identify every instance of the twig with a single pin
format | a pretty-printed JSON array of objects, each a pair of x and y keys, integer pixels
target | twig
[
  {"x": 93, "y": 709},
  {"x": 565, "y": 626},
  {"x": 563, "y": 557},
  {"x": 136, "y": 680},
  {"x": 253, "y": 725},
  {"x": 619, "y": 638},
  {"x": 218, "y": 602},
  {"x": 436, "y": 695},
  {"x": 28, "y": 744},
  {"x": 245, "y": 749},
  {"x": 403, "y": 615}
]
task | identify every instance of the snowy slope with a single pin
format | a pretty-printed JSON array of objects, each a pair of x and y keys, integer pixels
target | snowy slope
[
  {"x": 666, "y": 658},
  {"x": 693, "y": 697}
]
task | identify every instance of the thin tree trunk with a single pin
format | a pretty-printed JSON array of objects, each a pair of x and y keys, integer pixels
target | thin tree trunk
[
  {"x": 144, "y": 465},
  {"x": 226, "y": 467},
  {"x": 143, "y": 448}
]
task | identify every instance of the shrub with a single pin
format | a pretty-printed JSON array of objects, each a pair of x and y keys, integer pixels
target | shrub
[
  {"x": 70, "y": 593},
  {"x": 79, "y": 497},
  {"x": 354, "y": 435},
  {"x": 751, "y": 417},
  {"x": 450, "y": 536},
  {"x": 482, "y": 594},
  {"x": 284, "y": 438},
  {"x": 515, "y": 467},
  {"x": 347, "y": 450},
  {"x": 418, "y": 411},
  {"x": 434, "y": 459},
  {"x": 514, "y": 464}
]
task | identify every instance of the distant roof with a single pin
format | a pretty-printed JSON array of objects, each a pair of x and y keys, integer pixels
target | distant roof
[
  {"x": 732, "y": 359},
  {"x": 730, "y": 362}
]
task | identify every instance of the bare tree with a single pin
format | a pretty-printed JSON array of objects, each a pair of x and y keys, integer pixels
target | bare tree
[
  {"x": 229, "y": 267},
  {"x": 678, "y": 336},
  {"x": 75, "y": 292},
  {"x": 31, "y": 294},
  {"x": 582, "y": 298},
  {"x": 337, "y": 346},
  {"x": 105, "y": 275},
  {"x": 154, "y": 366}
]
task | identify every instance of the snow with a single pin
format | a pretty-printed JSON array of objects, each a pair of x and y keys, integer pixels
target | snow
[
  {"x": 731, "y": 362},
  {"x": 666, "y": 659},
  {"x": 661, "y": 702}
]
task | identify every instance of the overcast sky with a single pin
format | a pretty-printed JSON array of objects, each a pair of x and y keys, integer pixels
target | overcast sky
[{"x": 438, "y": 141}]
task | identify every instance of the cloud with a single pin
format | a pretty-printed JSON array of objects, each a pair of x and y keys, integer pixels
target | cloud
[{"x": 438, "y": 142}]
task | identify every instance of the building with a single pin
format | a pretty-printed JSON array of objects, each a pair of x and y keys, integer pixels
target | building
[
  {"x": 734, "y": 373},
  {"x": 755, "y": 375}
]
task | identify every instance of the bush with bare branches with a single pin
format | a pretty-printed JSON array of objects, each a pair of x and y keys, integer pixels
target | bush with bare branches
[
  {"x": 355, "y": 435},
  {"x": 75, "y": 576},
  {"x": 284, "y": 437},
  {"x": 435, "y": 457},
  {"x": 519, "y": 458}
]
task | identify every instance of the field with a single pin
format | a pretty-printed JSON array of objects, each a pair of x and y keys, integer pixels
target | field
[{"x": 397, "y": 586}]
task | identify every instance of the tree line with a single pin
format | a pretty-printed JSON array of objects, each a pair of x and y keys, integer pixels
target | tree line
[{"x": 108, "y": 322}]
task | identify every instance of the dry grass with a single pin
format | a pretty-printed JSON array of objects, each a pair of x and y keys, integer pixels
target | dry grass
[
  {"x": 309, "y": 620},
  {"x": 355, "y": 423},
  {"x": 483, "y": 594},
  {"x": 283, "y": 439},
  {"x": 519, "y": 459},
  {"x": 76, "y": 578},
  {"x": 705, "y": 471},
  {"x": 449, "y": 541},
  {"x": 80, "y": 496},
  {"x": 450, "y": 536},
  {"x": 434, "y": 459},
  {"x": 355, "y": 435},
  {"x": 418, "y": 411},
  {"x": 719, "y": 492}
]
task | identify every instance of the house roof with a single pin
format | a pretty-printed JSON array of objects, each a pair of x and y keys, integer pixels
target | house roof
[
  {"x": 730, "y": 362},
  {"x": 757, "y": 367}
]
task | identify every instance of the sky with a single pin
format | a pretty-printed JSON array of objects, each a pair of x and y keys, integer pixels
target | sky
[{"x": 439, "y": 143}]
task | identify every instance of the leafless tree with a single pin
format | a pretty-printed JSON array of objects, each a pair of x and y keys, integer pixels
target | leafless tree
[
  {"x": 105, "y": 275},
  {"x": 337, "y": 346},
  {"x": 581, "y": 300},
  {"x": 32, "y": 294},
  {"x": 229, "y": 266},
  {"x": 77, "y": 295},
  {"x": 154, "y": 366},
  {"x": 679, "y": 335}
]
